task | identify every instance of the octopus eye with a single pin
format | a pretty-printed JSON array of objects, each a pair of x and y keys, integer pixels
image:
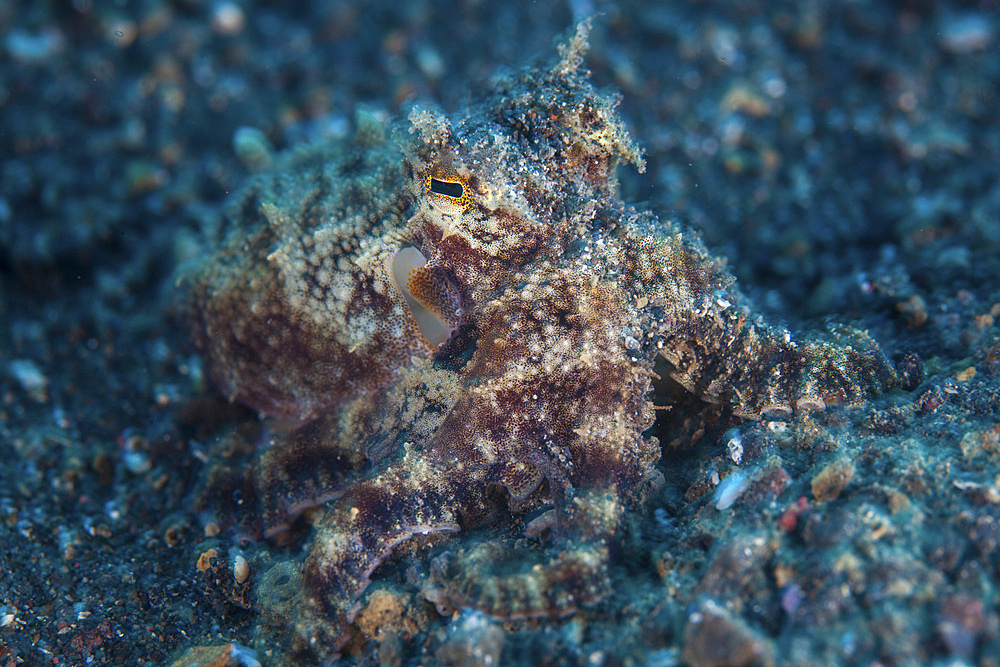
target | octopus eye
[
  {"x": 447, "y": 188},
  {"x": 451, "y": 192}
]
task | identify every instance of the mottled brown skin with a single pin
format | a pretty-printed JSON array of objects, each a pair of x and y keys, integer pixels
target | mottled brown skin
[{"x": 568, "y": 297}]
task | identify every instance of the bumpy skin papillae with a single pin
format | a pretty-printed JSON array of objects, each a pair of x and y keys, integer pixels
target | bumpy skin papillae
[
  {"x": 296, "y": 312},
  {"x": 568, "y": 296}
]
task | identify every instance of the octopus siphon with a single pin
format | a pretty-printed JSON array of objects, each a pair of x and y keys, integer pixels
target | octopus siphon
[{"x": 456, "y": 319}]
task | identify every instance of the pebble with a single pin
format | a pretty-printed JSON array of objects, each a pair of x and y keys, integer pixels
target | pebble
[
  {"x": 430, "y": 62},
  {"x": 123, "y": 33},
  {"x": 715, "y": 638},
  {"x": 31, "y": 378},
  {"x": 730, "y": 490},
  {"x": 229, "y": 654},
  {"x": 966, "y": 33},
  {"x": 205, "y": 559},
  {"x": 961, "y": 621},
  {"x": 228, "y": 18},
  {"x": 966, "y": 374},
  {"x": 34, "y": 48},
  {"x": 241, "y": 569},
  {"x": 831, "y": 480},
  {"x": 253, "y": 148},
  {"x": 137, "y": 462},
  {"x": 473, "y": 641}
]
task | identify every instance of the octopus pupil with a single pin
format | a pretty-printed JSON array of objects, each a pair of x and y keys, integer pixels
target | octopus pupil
[{"x": 447, "y": 188}]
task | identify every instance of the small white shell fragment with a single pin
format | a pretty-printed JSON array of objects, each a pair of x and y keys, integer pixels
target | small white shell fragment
[{"x": 734, "y": 445}]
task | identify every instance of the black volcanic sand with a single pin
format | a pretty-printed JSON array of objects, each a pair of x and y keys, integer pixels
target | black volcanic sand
[{"x": 843, "y": 157}]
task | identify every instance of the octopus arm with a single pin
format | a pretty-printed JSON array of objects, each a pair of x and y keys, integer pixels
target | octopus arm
[
  {"x": 723, "y": 354},
  {"x": 361, "y": 531},
  {"x": 510, "y": 584},
  {"x": 762, "y": 371}
]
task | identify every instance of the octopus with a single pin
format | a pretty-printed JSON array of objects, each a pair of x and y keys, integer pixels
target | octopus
[{"x": 454, "y": 320}]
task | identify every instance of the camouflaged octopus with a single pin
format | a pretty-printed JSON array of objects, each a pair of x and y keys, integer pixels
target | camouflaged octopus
[{"x": 461, "y": 318}]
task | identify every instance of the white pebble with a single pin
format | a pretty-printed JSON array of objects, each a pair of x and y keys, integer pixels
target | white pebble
[
  {"x": 228, "y": 19},
  {"x": 730, "y": 490},
  {"x": 966, "y": 33},
  {"x": 241, "y": 569}
]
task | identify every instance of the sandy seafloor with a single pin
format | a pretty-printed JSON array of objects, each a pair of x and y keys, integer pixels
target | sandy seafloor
[{"x": 843, "y": 156}]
